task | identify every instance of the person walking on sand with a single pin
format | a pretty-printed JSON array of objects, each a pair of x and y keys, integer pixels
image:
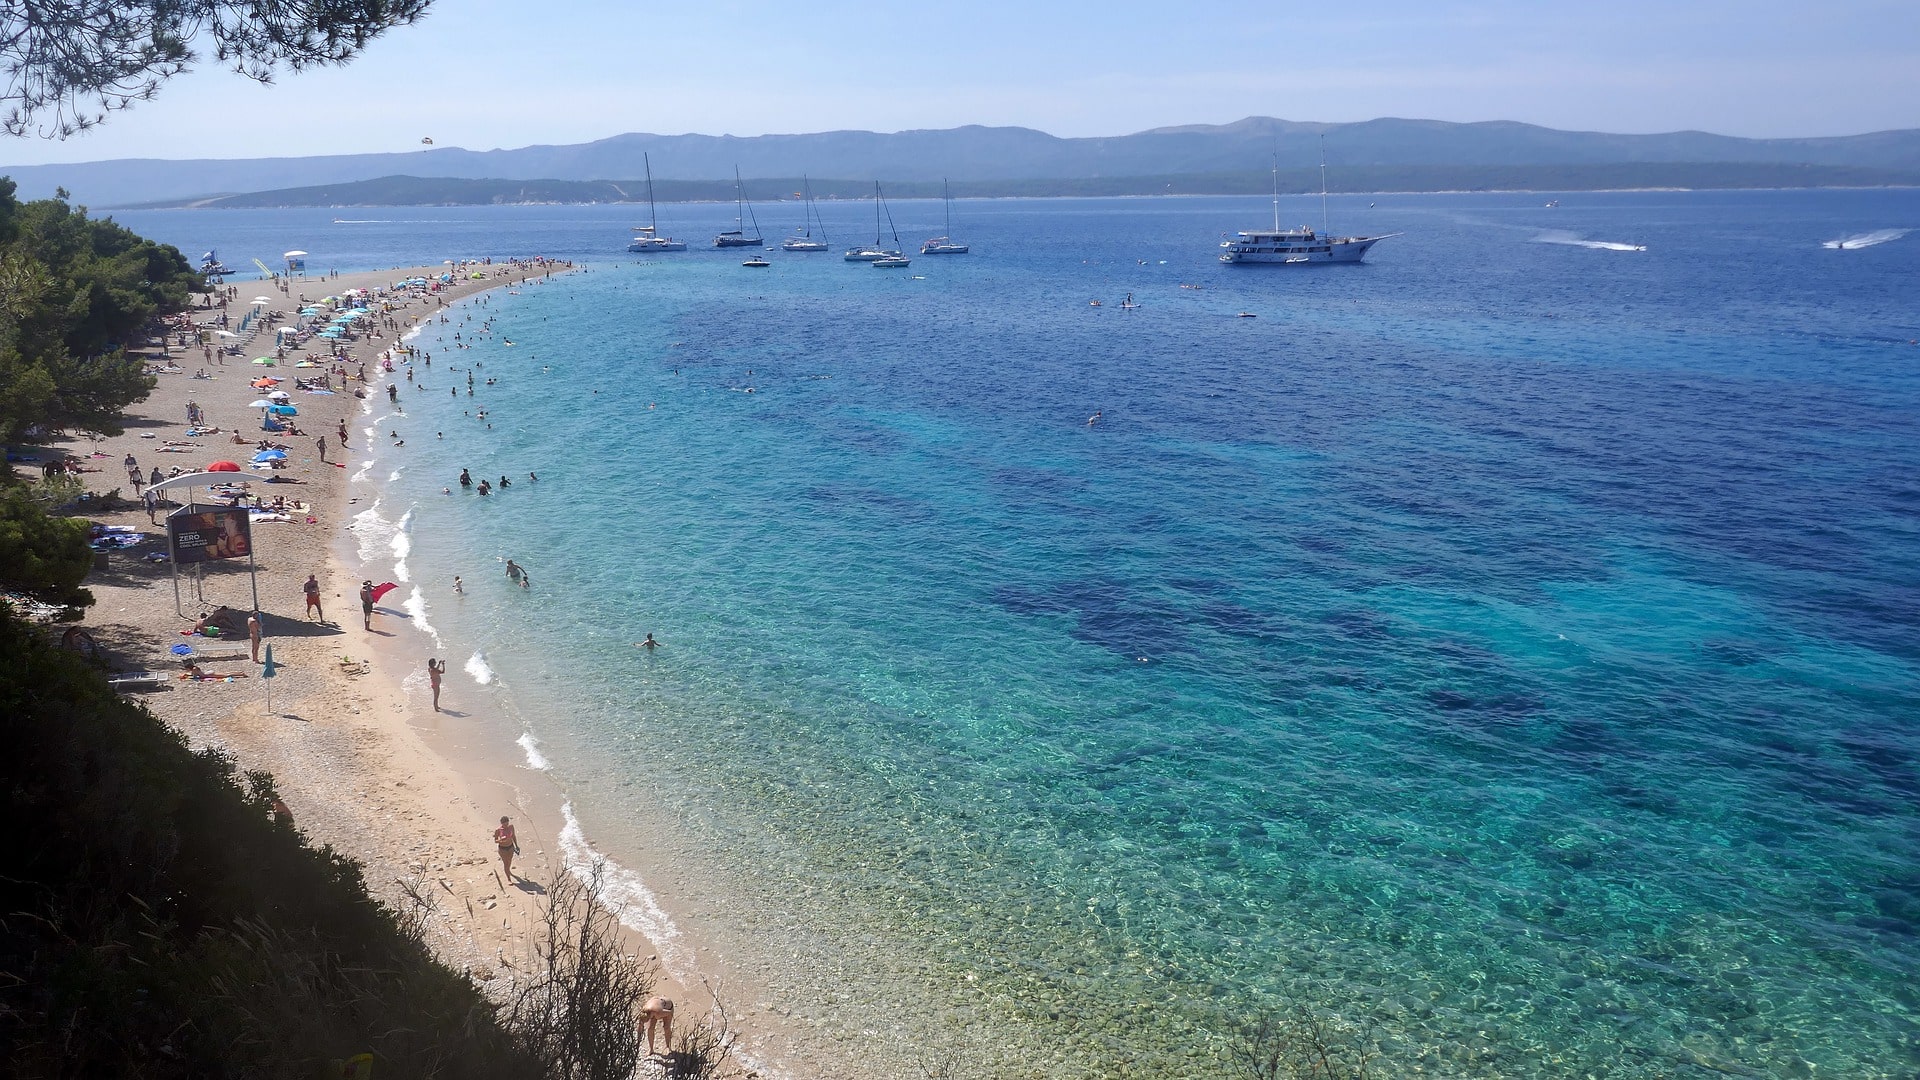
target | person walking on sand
[
  {"x": 312, "y": 589},
  {"x": 658, "y": 1011},
  {"x": 366, "y": 603},
  {"x": 253, "y": 634},
  {"x": 435, "y": 669},
  {"x": 508, "y": 844}
]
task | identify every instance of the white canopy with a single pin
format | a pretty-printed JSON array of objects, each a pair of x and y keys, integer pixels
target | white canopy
[{"x": 293, "y": 254}]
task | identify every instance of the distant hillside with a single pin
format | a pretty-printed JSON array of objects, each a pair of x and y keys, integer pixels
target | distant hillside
[
  {"x": 1004, "y": 155},
  {"x": 450, "y": 191}
]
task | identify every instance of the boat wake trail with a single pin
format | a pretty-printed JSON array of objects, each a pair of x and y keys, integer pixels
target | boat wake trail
[
  {"x": 1868, "y": 239},
  {"x": 1570, "y": 240}
]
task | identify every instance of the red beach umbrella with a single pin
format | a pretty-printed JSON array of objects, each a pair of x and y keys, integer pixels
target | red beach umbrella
[{"x": 223, "y": 466}]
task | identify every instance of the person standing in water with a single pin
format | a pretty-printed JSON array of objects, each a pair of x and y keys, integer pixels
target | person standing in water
[{"x": 435, "y": 670}]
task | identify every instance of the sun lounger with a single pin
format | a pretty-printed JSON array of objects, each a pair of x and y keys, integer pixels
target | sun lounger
[{"x": 133, "y": 681}]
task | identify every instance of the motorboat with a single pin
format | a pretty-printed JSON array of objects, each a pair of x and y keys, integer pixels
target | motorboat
[
  {"x": 757, "y": 260},
  {"x": 892, "y": 262}
]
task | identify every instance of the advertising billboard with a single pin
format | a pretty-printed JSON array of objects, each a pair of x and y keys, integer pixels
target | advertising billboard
[{"x": 205, "y": 535}]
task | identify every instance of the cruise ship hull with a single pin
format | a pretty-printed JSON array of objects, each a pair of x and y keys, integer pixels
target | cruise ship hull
[{"x": 1296, "y": 248}]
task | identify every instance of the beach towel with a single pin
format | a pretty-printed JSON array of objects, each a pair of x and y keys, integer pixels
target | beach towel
[{"x": 383, "y": 589}]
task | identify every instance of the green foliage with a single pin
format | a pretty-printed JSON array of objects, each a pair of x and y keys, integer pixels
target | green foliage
[
  {"x": 69, "y": 64},
  {"x": 73, "y": 293},
  {"x": 155, "y": 922},
  {"x": 43, "y": 556}
]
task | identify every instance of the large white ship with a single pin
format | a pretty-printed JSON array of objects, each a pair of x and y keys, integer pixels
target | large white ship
[{"x": 1300, "y": 246}]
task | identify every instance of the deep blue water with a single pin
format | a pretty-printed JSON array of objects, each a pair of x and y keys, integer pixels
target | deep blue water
[{"x": 1511, "y": 638}]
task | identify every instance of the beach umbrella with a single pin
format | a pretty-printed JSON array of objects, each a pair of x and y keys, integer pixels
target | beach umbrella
[
  {"x": 223, "y": 466},
  {"x": 269, "y": 455},
  {"x": 263, "y": 403},
  {"x": 280, "y": 395},
  {"x": 267, "y": 360},
  {"x": 283, "y": 410},
  {"x": 225, "y": 333},
  {"x": 264, "y": 381},
  {"x": 267, "y": 671}
]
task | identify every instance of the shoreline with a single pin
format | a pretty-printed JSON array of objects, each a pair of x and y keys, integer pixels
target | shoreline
[{"x": 413, "y": 802}]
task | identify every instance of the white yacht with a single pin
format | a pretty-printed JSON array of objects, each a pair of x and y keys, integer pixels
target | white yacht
[
  {"x": 803, "y": 240},
  {"x": 1301, "y": 246},
  {"x": 647, "y": 237},
  {"x": 879, "y": 250},
  {"x": 891, "y": 262},
  {"x": 944, "y": 245}
]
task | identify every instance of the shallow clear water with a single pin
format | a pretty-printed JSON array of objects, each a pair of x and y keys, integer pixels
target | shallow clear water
[{"x": 1511, "y": 638}]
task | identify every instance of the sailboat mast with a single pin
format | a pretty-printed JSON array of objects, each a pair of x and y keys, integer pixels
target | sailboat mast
[
  {"x": 653, "y": 218},
  {"x": 1276, "y": 189},
  {"x": 946, "y": 190},
  {"x": 1323, "y": 183}
]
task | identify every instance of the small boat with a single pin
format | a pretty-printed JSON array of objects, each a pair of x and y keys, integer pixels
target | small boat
[
  {"x": 944, "y": 245},
  {"x": 1128, "y": 304},
  {"x": 879, "y": 250},
  {"x": 1551, "y": 203},
  {"x": 1297, "y": 247},
  {"x": 647, "y": 237},
  {"x": 803, "y": 240},
  {"x": 1093, "y": 303},
  {"x": 737, "y": 237},
  {"x": 757, "y": 260},
  {"x": 891, "y": 262},
  {"x": 1246, "y": 315}
]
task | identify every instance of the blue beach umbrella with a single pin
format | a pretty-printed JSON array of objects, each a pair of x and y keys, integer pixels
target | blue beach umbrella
[
  {"x": 267, "y": 671},
  {"x": 283, "y": 410},
  {"x": 269, "y": 455}
]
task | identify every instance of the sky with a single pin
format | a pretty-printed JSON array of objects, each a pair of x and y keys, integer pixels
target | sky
[{"x": 486, "y": 74}]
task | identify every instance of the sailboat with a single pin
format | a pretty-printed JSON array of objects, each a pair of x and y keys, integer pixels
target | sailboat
[
  {"x": 879, "y": 250},
  {"x": 944, "y": 245},
  {"x": 737, "y": 237},
  {"x": 647, "y": 237},
  {"x": 804, "y": 241},
  {"x": 1301, "y": 246}
]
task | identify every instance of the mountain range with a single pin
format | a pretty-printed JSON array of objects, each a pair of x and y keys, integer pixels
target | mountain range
[{"x": 1011, "y": 160}]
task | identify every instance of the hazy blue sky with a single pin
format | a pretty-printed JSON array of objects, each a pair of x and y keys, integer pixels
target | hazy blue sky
[{"x": 489, "y": 73}]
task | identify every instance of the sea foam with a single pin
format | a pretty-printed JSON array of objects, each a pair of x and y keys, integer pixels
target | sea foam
[{"x": 624, "y": 893}]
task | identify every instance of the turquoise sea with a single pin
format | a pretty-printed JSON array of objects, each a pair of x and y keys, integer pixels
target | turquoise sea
[{"x": 1511, "y": 641}]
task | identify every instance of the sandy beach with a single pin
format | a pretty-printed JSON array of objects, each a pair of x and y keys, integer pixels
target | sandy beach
[{"x": 358, "y": 753}]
